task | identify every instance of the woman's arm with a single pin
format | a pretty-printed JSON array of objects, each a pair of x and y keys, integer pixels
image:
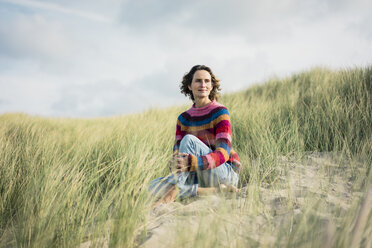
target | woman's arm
[
  {"x": 178, "y": 137},
  {"x": 223, "y": 145},
  {"x": 178, "y": 162}
]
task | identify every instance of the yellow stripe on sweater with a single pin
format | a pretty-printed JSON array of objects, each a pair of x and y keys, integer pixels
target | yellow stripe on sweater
[
  {"x": 204, "y": 127},
  {"x": 224, "y": 153},
  {"x": 194, "y": 163}
]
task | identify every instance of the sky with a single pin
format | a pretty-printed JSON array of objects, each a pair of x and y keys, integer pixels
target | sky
[{"x": 88, "y": 59}]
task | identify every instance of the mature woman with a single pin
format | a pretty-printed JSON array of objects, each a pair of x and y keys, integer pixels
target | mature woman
[{"x": 203, "y": 158}]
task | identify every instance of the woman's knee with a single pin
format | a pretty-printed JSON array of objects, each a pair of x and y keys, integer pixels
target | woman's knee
[
  {"x": 186, "y": 142},
  {"x": 187, "y": 138}
]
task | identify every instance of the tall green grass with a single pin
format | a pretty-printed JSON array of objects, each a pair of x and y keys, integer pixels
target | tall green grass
[
  {"x": 67, "y": 181},
  {"x": 319, "y": 110}
]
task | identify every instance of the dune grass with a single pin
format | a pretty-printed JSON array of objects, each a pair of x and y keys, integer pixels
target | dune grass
[{"x": 67, "y": 181}]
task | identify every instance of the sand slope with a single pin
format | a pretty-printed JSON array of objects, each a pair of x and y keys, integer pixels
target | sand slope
[{"x": 310, "y": 198}]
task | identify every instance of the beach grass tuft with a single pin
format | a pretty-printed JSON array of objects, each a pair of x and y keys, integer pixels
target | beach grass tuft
[{"x": 83, "y": 182}]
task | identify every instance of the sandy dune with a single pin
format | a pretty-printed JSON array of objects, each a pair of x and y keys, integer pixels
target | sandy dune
[{"x": 319, "y": 185}]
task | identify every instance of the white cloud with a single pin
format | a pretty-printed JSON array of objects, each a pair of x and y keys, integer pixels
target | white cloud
[
  {"x": 27, "y": 92},
  {"x": 91, "y": 58},
  {"x": 61, "y": 9},
  {"x": 34, "y": 37}
]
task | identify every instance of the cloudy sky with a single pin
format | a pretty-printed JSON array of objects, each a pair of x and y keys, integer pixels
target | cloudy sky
[{"x": 84, "y": 58}]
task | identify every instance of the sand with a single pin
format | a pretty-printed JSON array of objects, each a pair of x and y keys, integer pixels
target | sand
[{"x": 321, "y": 185}]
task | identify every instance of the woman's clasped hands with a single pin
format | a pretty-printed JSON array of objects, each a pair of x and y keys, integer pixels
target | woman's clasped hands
[{"x": 179, "y": 163}]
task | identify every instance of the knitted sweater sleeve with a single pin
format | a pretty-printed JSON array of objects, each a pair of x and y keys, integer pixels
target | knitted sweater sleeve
[
  {"x": 178, "y": 138},
  {"x": 223, "y": 145}
]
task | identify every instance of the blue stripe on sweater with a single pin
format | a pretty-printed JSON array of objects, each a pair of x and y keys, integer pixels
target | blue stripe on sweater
[
  {"x": 200, "y": 163},
  {"x": 185, "y": 122},
  {"x": 225, "y": 146}
]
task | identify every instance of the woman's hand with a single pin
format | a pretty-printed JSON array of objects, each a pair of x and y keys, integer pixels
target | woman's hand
[
  {"x": 182, "y": 162},
  {"x": 178, "y": 163},
  {"x": 172, "y": 164}
]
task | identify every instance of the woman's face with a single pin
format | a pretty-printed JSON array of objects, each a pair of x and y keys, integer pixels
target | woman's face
[{"x": 201, "y": 84}]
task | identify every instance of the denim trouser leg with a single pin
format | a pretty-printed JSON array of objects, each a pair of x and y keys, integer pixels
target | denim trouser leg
[
  {"x": 189, "y": 182},
  {"x": 159, "y": 186}
]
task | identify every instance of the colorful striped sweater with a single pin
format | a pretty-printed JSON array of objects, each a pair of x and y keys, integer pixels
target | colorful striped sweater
[{"x": 211, "y": 124}]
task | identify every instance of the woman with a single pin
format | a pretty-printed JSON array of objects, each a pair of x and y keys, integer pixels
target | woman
[{"x": 203, "y": 159}]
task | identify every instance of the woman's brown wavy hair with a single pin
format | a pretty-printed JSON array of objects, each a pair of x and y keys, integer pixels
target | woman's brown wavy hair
[{"x": 187, "y": 80}]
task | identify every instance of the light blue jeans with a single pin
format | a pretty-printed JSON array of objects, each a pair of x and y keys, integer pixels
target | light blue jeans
[{"x": 188, "y": 182}]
